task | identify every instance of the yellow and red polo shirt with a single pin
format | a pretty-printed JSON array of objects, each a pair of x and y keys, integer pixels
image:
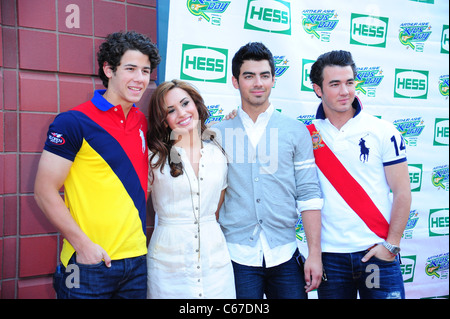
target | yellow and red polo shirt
[{"x": 106, "y": 187}]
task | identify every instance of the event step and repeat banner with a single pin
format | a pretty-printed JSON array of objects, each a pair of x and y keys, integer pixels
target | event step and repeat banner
[{"x": 401, "y": 49}]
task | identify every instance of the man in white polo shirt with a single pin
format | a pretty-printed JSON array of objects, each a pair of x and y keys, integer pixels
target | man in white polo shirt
[{"x": 360, "y": 159}]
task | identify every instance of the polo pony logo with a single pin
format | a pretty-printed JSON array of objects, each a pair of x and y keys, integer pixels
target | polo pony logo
[
  {"x": 364, "y": 156},
  {"x": 142, "y": 136}
]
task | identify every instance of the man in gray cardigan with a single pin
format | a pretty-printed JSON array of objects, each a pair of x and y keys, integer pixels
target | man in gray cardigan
[{"x": 271, "y": 174}]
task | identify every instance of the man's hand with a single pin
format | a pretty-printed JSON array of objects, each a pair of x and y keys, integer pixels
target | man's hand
[
  {"x": 231, "y": 115},
  {"x": 380, "y": 252},
  {"x": 93, "y": 254},
  {"x": 313, "y": 273}
]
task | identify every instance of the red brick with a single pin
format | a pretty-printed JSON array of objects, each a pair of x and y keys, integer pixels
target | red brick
[
  {"x": 1, "y": 45},
  {"x": 10, "y": 89},
  {"x": 36, "y": 288},
  {"x": 8, "y": 289},
  {"x": 1, "y": 90},
  {"x": 37, "y": 50},
  {"x": 1, "y": 220},
  {"x": 109, "y": 17},
  {"x": 10, "y": 215},
  {"x": 11, "y": 136},
  {"x": 37, "y": 255},
  {"x": 150, "y": 3},
  {"x": 8, "y": 12},
  {"x": 33, "y": 131},
  {"x": 67, "y": 16},
  {"x": 142, "y": 20},
  {"x": 76, "y": 54},
  {"x": 145, "y": 100},
  {"x": 97, "y": 43},
  {"x": 37, "y": 14},
  {"x": 10, "y": 50},
  {"x": 32, "y": 219},
  {"x": 2, "y": 125},
  {"x": 38, "y": 92},
  {"x": 9, "y": 258},
  {"x": 74, "y": 90},
  {"x": 28, "y": 168},
  {"x": 10, "y": 173},
  {"x": 2, "y": 177}
]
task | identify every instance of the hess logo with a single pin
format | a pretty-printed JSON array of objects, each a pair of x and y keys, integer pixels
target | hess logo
[
  {"x": 202, "y": 63},
  {"x": 268, "y": 16},
  {"x": 368, "y": 30},
  {"x": 411, "y": 84}
]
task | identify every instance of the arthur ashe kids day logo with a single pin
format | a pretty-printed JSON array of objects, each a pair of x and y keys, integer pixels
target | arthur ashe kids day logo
[
  {"x": 410, "y": 225},
  {"x": 281, "y": 66},
  {"x": 320, "y": 23},
  {"x": 215, "y": 114},
  {"x": 413, "y": 35},
  {"x": 410, "y": 128},
  {"x": 443, "y": 85},
  {"x": 439, "y": 177},
  {"x": 368, "y": 79},
  {"x": 202, "y": 63},
  {"x": 210, "y": 10},
  {"x": 437, "y": 266},
  {"x": 268, "y": 16}
]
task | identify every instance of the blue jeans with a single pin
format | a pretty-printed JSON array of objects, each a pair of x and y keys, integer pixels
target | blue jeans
[
  {"x": 285, "y": 281},
  {"x": 347, "y": 275},
  {"x": 126, "y": 278}
]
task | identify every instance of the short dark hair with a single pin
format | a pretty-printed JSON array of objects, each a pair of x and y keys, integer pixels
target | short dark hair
[
  {"x": 332, "y": 58},
  {"x": 116, "y": 44},
  {"x": 255, "y": 51}
]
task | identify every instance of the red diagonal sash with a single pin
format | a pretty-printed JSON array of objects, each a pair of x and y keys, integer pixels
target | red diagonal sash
[{"x": 349, "y": 189}]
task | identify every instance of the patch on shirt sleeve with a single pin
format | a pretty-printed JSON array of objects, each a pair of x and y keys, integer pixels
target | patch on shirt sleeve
[{"x": 56, "y": 138}]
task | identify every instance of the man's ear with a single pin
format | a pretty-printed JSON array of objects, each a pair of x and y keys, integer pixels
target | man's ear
[
  {"x": 318, "y": 90},
  {"x": 107, "y": 69},
  {"x": 235, "y": 82}
]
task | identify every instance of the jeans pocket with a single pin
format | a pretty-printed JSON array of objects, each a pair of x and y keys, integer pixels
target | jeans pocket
[
  {"x": 74, "y": 260},
  {"x": 376, "y": 259}
]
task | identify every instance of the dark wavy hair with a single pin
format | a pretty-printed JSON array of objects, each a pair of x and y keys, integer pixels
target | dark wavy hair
[
  {"x": 159, "y": 133},
  {"x": 255, "y": 51},
  {"x": 332, "y": 58},
  {"x": 116, "y": 44}
]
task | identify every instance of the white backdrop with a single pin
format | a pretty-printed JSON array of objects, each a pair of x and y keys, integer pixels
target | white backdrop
[{"x": 401, "y": 51}]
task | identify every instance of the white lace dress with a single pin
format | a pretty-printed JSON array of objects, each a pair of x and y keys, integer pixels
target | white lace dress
[{"x": 187, "y": 255}]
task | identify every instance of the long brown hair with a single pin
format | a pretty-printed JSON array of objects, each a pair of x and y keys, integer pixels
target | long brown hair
[{"x": 159, "y": 133}]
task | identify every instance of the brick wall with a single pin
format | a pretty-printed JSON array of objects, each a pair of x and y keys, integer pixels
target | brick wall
[{"x": 48, "y": 65}]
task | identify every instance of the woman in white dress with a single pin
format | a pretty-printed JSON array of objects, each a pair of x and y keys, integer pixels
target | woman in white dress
[{"x": 187, "y": 255}]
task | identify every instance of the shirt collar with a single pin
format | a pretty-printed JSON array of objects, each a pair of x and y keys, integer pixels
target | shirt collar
[
  {"x": 100, "y": 102},
  {"x": 357, "y": 105},
  {"x": 266, "y": 114}
]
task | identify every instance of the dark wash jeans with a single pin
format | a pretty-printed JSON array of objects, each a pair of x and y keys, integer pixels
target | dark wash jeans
[
  {"x": 347, "y": 275},
  {"x": 285, "y": 281},
  {"x": 126, "y": 278}
]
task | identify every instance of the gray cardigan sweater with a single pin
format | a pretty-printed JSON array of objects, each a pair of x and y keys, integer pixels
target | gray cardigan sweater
[{"x": 266, "y": 183}]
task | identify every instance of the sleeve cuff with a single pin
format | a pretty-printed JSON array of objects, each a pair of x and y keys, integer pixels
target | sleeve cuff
[{"x": 311, "y": 204}]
